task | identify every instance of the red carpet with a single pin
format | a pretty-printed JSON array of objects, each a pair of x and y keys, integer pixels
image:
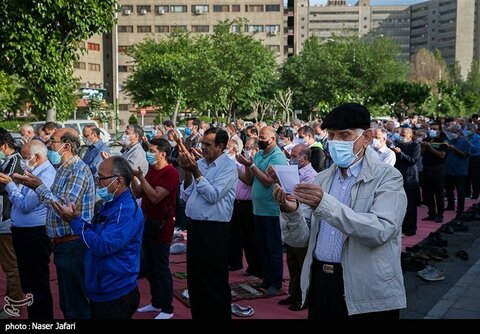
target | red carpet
[{"x": 265, "y": 308}]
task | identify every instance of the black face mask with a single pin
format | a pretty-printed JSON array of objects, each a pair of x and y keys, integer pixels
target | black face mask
[{"x": 262, "y": 144}]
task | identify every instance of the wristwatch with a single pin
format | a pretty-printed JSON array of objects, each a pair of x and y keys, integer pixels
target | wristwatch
[{"x": 251, "y": 166}]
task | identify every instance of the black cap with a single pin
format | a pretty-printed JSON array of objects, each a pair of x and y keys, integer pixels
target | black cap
[{"x": 347, "y": 116}]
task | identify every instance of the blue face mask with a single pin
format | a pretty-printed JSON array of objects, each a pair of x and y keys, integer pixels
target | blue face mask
[
  {"x": 188, "y": 131},
  {"x": 432, "y": 133},
  {"x": 54, "y": 157},
  {"x": 342, "y": 152},
  {"x": 151, "y": 158},
  {"x": 104, "y": 194}
]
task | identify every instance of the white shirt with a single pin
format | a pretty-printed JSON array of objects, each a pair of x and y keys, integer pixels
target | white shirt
[{"x": 386, "y": 155}]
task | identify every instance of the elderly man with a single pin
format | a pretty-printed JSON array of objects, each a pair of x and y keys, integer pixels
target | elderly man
[
  {"x": 379, "y": 144},
  {"x": 93, "y": 157},
  {"x": 74, "y": 183},
  {"x": 352, "y": 267},
  {"x": 29, "y": 236},
  {"x": 27, "y": 132},
  {"x": 209, "y": 191},
  {"x": 114, "y": 239}
]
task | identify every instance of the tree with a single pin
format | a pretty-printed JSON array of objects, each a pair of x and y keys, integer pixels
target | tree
[
  {"x": 133, "y": 119},
  {"x": 471, "y": 89},
  {"x": 428, "y": 67},
  {"x": 40, "y": 43},
  {"x": 99, "y": 109},
  {"x": 283, "y": 99},
  {"x": 330, "y": 71}
]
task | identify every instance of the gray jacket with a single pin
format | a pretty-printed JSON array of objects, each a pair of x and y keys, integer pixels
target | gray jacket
[
  {"x": 372, "y": 226},
  {"x": 136, "y": 157}
]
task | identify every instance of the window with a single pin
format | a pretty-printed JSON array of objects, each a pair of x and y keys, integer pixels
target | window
[
  {"x": 125, "y": 29},
  {"x": 199, "y": 9},
  {"x": 160, "y": 10},
  {"x": 255, "y": 28},
  {"x": 144, "y": 29},
  {"x": 125, "y": 68},
  {"x": 235, "y": 28},
  {"x": 178, "y": 9},
  {"x": 273, "y": 48},
  {"x": 162, "y": 29},
  {"x": 143, "y": 9},
  {"x": 94, "y": 67},
  {"x": 127, "y": 9},
  {"x": 220, "y": 9},
  {"x": 80, "y": 65},
  {"x": 123, "y": 48},
  {"x": 272, "y": 28},
  {"x": 178, "y": 28},
  {"x": 94, "y": 46},
  {"x": 254, "y": 8},
  {"x": 272, "y": 8},
  {"x": 200, "y": 29},
  {"x": 236, "y": 8}
]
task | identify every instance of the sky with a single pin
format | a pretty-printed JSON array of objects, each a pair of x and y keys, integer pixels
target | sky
[{"x": 373, "y": 2}]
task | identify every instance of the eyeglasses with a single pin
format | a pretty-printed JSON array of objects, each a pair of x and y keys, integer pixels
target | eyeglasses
[{"x": 98, "y": 178}]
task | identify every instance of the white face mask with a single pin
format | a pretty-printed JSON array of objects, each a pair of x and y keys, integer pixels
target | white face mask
[
  {"x": 126, "y": 140},
  {"x": 248, "y": 154},
  {"x": 172, "y": 143},
  {"x": 25, "y": 165},
  {"x": 376, "y": 144}
]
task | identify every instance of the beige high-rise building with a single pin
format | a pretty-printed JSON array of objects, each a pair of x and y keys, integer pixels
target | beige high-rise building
[
  {"x": 449, "y": 26},
  {"x": 138, "y": 19},
  {"x": 337, "y": 17}
]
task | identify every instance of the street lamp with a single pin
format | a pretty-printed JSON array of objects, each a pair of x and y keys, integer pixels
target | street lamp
[{"x": 115, "y": 67}]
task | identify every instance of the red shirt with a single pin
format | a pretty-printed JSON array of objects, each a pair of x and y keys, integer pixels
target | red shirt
[{"x": 167, "y": 178}]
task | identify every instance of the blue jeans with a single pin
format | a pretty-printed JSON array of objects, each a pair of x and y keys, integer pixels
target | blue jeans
[
  {"x": 69, "y": 259},
  {"x": 158, "y": 274}
]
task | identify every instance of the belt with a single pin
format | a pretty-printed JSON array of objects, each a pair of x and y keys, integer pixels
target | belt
[
  {"x": 328, "y": 268},
  {"x": 61, "y": 240}
]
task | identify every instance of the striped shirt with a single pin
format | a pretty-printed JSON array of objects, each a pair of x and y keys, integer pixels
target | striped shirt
[
  {"x": 329, "y": 239},
  {"x": 74, "y": 179}
]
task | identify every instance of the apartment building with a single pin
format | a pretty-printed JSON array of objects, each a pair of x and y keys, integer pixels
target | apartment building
[
  {"x": 451, "y": 26},
  {"x": 337, "y": 17}
]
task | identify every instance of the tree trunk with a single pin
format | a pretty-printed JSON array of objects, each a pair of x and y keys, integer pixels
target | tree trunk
[
  {"x": 175, "y": 112},
  {"x": 52, "y": 114}
]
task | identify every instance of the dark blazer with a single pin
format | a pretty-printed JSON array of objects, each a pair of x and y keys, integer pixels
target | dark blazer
[{"x": 407, "y": 164}]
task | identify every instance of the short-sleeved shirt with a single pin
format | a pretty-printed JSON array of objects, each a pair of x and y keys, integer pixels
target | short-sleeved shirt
[
  {"x": 167, "y": 178},
  {"x": 263, "y": 202},
  {"x": 431, "y": 160}
]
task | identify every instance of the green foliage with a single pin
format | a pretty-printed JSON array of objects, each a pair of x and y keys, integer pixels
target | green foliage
[
  {"x": 8, "y": 92},
  {"x": 99, "y": 109},
  {"x": 345, "y": 67},
  {"x": 214, "y": 72},
  {"x": 13, "y": 126},
  {"x": 133, "y": 119},
  {"x": 471, "y": 89},
  {"x": 40, "y": 43},
  {"x": 158, "y": 119}
]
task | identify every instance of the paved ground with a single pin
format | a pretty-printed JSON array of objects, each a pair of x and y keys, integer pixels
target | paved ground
[{"x": 458, "y": 296}]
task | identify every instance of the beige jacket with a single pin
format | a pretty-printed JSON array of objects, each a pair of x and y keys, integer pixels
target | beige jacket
[{"x": 372, "y": 225}]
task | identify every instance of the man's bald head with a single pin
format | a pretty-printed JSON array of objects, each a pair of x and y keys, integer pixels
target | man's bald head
[
  {"x": 267, "y": 138},
  {"x": 268, "y": 131}
]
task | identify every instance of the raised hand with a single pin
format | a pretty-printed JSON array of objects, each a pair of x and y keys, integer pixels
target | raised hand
[
  {"x": 309, "y": 194},
  {"x": 28, "y": 179},
  {"x": 5, "y": 179},
  {"x": 286, "y": 202},
  {"x": 105, "y": 155},
  {"x": 244, "y": 161},
  {"x": 67, "y": 212}
]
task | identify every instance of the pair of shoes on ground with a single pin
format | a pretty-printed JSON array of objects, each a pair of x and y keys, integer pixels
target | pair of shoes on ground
[
  {"x": 161, "y": 315},
  {"x": 431, "y": 274},
  {"x": 437, "y": 219},
  {"x": 240, "y": 311},
  {"x": 462, "y": 254}
]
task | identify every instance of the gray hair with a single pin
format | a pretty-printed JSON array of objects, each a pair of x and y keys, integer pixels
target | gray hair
[
  {"x": 27, "y": 127},
  {"x": 37, "y": 147},
  {"x": 73, "y": 139}
]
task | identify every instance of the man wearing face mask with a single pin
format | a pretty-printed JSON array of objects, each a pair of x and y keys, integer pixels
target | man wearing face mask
[
  {"x": 73, "y": 183},
  {"x": 379, "y": 144},
  {"x": 265, "y": 210},
  {"x": 27, "y": 132},
  {"x": 30, "y": 241},
  {"x": 8, "y": 260},
  {"x": 456, "y": 168},
  {"x": 93, "y": 157},
  {"x": 192, "y": 132},
  {"x": 352, "y": 267},
  {"x": 114, "y": 238},
  {"x": 158, "y": 190},
  {"x": 434, "y": 155},
  {"x": 296, "y": 255}
]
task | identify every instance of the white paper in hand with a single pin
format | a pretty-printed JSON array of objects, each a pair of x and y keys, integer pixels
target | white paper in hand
[{"x": 288, "y": 176}]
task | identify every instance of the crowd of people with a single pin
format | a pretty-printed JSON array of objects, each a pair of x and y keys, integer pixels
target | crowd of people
[{"x": 102, "y": 216}]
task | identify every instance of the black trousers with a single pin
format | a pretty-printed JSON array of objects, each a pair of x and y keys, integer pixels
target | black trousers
[
  {"x": 434, "y": 177},
  {"x": 121, "y": 308},
  {"x": 326, "y": 296},
  {"x": 33, "y": 248},
  {"x": 207, "y": 269},
  {"x": 409, "y": 225},
  {"x": 295, "y": 258},
  {"x": 473, "y": 181},
  {"x": 242, "y": 239}
]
